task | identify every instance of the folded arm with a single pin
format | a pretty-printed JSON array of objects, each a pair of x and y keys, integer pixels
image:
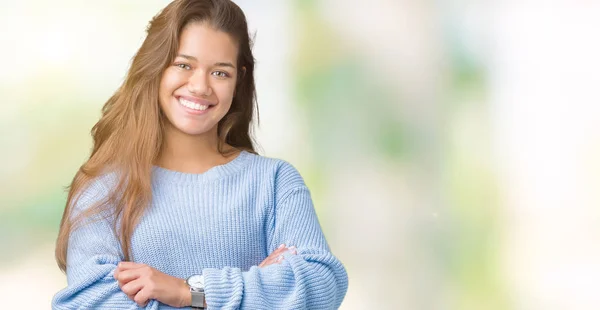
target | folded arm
[
  {"x": 92, "y": 257},
  {"x": 313, "y": 279}
]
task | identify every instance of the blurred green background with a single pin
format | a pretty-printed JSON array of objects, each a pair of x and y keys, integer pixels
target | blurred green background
[{"x": 451, "y": 147}]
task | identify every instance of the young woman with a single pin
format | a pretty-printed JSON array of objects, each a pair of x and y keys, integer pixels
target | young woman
[{"x": 174, "y": 208}]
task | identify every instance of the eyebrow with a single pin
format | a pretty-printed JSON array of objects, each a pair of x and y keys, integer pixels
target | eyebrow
[{"x": 217, "y": 64}]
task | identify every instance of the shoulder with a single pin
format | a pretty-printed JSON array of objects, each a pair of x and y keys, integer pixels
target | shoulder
[
  {"x": 101, "y": 184},
  {"x": 284, "y": 175},
  {"x": 95, "y": 191}
]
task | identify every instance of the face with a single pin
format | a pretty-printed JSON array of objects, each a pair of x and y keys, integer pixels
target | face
[{"x": 197, "y": 88}]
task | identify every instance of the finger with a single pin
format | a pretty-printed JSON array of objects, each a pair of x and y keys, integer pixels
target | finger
[
  {"x": 269, "y": 260},
  {"x": 276, "y": 260},
  {"x": 129, "y": 265},
  {"x": 273, "y": 259},
  {"x": 266, "y": 262},
  {"x": 126, "y": 276},
  {"x": 273, "y": 255},
  {"x": 281, "y": 247},
  {"x": 278, "y": 252},
  {"x": 277, "y": 256},
  {"x": 132, "y": 288},
  {"x": 141, "y": 298}
]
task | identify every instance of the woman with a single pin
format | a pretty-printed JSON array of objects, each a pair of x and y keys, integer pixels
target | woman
[{"x": 174, "y": 208}]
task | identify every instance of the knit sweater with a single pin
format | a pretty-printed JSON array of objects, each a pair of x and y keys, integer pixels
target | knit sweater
[{"x": 221, "y": 224}]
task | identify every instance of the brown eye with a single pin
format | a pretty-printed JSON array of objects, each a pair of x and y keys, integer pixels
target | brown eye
[
  {"x": 221, "y": 74},
  {"x": 184, "y": 66}
]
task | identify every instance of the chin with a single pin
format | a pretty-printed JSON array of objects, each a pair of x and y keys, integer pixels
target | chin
[{"x": 194, "y": 130}]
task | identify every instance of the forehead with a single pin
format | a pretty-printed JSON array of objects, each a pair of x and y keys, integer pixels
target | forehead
[{"x": 207, "y": 44}]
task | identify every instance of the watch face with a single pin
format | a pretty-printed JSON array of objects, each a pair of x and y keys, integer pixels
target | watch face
[{"x": 196, "y": 281}]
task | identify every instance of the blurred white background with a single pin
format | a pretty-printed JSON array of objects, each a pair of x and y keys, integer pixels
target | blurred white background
[{"x": 452, "y": 147}]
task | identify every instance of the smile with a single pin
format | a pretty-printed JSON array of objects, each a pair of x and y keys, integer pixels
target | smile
[{"x": 193, "y": 105}]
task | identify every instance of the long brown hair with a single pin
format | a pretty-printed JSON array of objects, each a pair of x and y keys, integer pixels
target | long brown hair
[{"x": 128, "y": 137}]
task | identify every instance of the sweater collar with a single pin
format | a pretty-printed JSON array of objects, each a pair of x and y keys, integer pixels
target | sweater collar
[{"x": 170, "y": 176}]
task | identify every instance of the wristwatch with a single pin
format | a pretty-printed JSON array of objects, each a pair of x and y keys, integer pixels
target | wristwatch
[{"x": 196, "y": 284}]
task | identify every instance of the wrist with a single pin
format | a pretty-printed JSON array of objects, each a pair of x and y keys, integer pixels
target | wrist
[{"x": 186, "y": 295}]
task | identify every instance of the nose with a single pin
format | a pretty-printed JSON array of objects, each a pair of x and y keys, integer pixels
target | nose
[{"x": 199, "y": 85}]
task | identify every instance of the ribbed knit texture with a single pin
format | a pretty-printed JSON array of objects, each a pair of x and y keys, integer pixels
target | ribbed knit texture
[{"x": 221, "y": 223}]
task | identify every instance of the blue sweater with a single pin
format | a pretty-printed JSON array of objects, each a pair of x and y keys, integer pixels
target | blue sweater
[{"x": 222, "y": 224}]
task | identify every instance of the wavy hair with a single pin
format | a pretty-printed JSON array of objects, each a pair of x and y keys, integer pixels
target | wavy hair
[{"x": 128, "y": 137}]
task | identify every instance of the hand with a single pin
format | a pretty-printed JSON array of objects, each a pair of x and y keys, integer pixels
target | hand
[
  {"x": 277, "y": 256},
  {"x": 141, "y": 283}
]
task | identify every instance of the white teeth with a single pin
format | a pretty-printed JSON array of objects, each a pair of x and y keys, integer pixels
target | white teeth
[{"x": 192, "y": 105}]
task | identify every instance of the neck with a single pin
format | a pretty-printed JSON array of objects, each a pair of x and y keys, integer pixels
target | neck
[{"x": 193, "y": 154}]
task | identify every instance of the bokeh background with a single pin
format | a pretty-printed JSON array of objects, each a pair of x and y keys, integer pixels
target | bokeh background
[{"x": 452, "y": 147}]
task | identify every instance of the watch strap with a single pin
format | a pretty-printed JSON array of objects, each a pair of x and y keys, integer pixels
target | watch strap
[{"x": 197, "y": 299}]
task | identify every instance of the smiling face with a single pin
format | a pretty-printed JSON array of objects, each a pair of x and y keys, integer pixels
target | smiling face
[{"x": 197, "y": 88}]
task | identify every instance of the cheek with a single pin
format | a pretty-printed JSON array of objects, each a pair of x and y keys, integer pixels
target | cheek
[
  {"x": 225, "y": 92},
  {"x": 170, "y": 82}
]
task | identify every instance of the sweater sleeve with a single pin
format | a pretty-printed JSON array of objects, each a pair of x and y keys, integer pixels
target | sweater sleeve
[
  {"x": 92, "y": 257},
  {"x": 313, "y": 279}
]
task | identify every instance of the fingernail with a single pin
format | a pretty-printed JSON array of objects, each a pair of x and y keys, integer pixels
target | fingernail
[
  {"x": 292, "y": 249},
  {"x": 281, "y": 246}
]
